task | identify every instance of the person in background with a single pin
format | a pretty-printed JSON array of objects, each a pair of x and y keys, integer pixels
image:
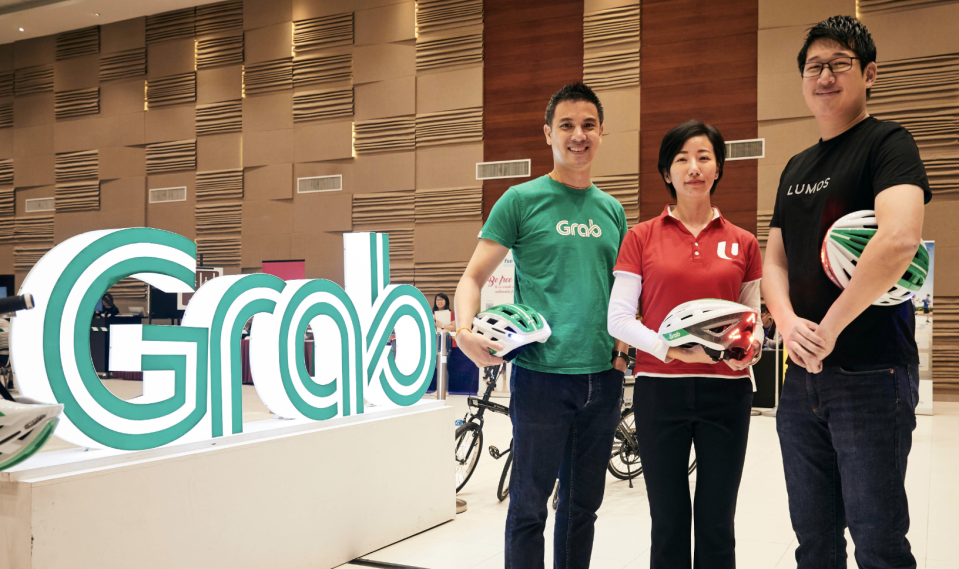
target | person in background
[
  {"x": 926, "y": 305},
  {"x": 681, "y": 396},
  {"x": 771, "y": 339},
  {"x": 109, "y": 308},
  {"x": 442, "y": 302},
  {"x": 847, "y": 410}
]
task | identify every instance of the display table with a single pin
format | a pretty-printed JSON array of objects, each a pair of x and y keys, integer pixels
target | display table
[{"x": 286, "y": 493}]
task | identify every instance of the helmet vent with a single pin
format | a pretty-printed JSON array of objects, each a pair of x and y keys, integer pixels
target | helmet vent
[{"x": 4, "y": 441}]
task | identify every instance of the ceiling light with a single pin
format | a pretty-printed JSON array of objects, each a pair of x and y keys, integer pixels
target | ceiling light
[
  {"x": 21, "y": 29},
  {"x": 97, "y": 14}
]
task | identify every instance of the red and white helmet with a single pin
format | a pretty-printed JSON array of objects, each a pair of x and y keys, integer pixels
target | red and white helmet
[{"x": 726, "y": 330}]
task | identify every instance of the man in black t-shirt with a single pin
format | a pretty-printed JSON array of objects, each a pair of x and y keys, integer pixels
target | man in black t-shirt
[{"x": 847, "y": 410}]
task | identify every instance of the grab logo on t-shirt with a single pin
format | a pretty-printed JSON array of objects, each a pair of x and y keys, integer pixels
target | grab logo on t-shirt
[{"x": 566, "y": 228}]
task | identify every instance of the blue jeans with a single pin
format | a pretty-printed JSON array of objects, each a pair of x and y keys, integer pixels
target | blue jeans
[
  {"x": 845, "y": 436},
  {"x": 562, "y": 425}
]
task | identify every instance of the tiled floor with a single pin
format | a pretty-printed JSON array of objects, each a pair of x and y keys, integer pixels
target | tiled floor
[{"x": 764, "y": 538}]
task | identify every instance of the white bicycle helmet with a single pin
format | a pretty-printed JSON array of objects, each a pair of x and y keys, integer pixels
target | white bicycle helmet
[
  {"x": 24, "y": 428},
  {"x": 513, "y": 325},
  {"x": 725, "y": 329},
  {"x": 844, "y": 244}
]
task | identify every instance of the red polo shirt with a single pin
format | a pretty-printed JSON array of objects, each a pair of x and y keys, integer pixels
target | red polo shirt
[{"x": 677, "y": 267}]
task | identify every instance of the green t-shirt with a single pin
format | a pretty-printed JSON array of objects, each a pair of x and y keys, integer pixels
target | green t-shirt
[{"x": 565, "y": 244}]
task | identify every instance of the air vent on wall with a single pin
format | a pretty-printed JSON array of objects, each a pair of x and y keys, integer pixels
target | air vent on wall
[
  {"x": 504, "y": 169},
  {"x": 312, "y": 184},
  {"x": 161, "y": 195},
  {"x": 41, "y": 204},
  {"x": 746, "y": 149}
]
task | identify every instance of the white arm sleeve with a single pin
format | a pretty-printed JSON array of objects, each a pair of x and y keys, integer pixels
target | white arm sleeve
[
  {"x": 749, "y": 294},
  {"x": 621, "y": 318}
]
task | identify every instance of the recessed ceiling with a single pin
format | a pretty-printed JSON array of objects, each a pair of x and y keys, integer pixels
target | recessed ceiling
[{"x": 45, "y": 17}]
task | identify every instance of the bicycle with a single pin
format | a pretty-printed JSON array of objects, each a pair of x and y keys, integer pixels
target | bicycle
[
  {"x": 625, "y": 463},
  {"x": 469, "y": 435}
]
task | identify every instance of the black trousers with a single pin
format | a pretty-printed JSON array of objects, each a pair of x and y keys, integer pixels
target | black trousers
[{"x": 671, "y": 414}]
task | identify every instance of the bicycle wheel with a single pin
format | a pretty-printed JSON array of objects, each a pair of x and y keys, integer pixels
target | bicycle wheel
[
  {"x": 502, "y": 492},
  {"x": 469, "y": 443},
  {"x": 692, "y": 460},
  {"x": 625, "y": 464}
]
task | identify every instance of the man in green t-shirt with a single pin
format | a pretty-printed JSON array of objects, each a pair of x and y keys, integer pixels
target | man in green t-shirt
[{"x": 565, "y": 235}]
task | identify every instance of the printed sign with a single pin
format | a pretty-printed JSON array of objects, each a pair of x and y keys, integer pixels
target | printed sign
[
  {"x": 499, "y": 287},
  {"x": 923, "y": 302},
  {"x": 192, "y": 375}
]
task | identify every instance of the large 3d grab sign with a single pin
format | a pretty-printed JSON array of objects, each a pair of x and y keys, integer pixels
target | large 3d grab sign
[{"x": 192, "y": 373}]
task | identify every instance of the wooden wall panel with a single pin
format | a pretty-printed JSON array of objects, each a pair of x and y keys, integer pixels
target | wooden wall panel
[
  {"x": 441, "y": 15},
  {"x": 219, "y": 51},
  {"x": 123, "y": 64},
  {"x": 75, "y": 43},
  {"x": 171, "y": 25},
  {"x": 323, "y": 33},
  {"x": 172, "y": 90},
  {"x": 219, "y": 17},
  {"x": 268, "y": 76},
  {"x": 681, "y": 80},
  {"x": 530, "y": 51},
  {"x": 37, "y": 79},
  {"x": 237, "y": 99}
]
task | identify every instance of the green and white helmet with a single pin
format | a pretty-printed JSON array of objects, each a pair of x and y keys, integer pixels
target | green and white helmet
[
  {"x": 844, "y": 244},
  {"x": 512, "y": 325},
  {"x": 24, "y": 428}
]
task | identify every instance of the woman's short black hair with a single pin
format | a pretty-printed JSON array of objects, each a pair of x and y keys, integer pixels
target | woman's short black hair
[
  {"x": 846, "y": 31},
  {"x": 675, "y": 139},
  {"x": 444, "y": 297}
]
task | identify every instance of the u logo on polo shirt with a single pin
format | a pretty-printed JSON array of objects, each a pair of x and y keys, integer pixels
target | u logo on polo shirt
[{"x": 721, "y": 250}]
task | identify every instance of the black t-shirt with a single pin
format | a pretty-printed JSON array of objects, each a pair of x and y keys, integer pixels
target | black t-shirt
[{"x": 818, "y": 186}]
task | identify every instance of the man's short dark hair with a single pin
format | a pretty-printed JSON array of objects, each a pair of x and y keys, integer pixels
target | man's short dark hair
[
  {"x": 846, "y": 31},
  {"x": 573, "y": 92},
  {"x": 676, "y": 138}
]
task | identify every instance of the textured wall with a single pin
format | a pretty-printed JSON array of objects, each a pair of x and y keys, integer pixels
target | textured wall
[
  {"x": 532, "y": 49},
  {"x": 236, "y": 100},
  {"x": 918, "y": 87},
  {"x": 699, "y": 61}
]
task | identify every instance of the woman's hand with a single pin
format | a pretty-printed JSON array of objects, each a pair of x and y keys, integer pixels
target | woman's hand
[
  {"x": 743, "y": 364},
  {"x": 477, "y": 348},
  {"x": 694, "y": 355}
]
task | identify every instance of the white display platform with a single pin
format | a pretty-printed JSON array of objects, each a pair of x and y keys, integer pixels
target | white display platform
[{"x": 291, "y": 494}]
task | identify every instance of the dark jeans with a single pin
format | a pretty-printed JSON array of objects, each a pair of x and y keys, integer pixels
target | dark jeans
[
  {"x": 845, "y": 436},
  {"x": 562, "y": 424},
  {"x": 671, "y": 414}
]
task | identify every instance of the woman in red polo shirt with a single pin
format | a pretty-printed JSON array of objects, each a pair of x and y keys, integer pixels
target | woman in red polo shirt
[{"x": 681, "y": 396}]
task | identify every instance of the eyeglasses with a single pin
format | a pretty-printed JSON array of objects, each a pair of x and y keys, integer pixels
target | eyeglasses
[{"x": 838, "y": 65}]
